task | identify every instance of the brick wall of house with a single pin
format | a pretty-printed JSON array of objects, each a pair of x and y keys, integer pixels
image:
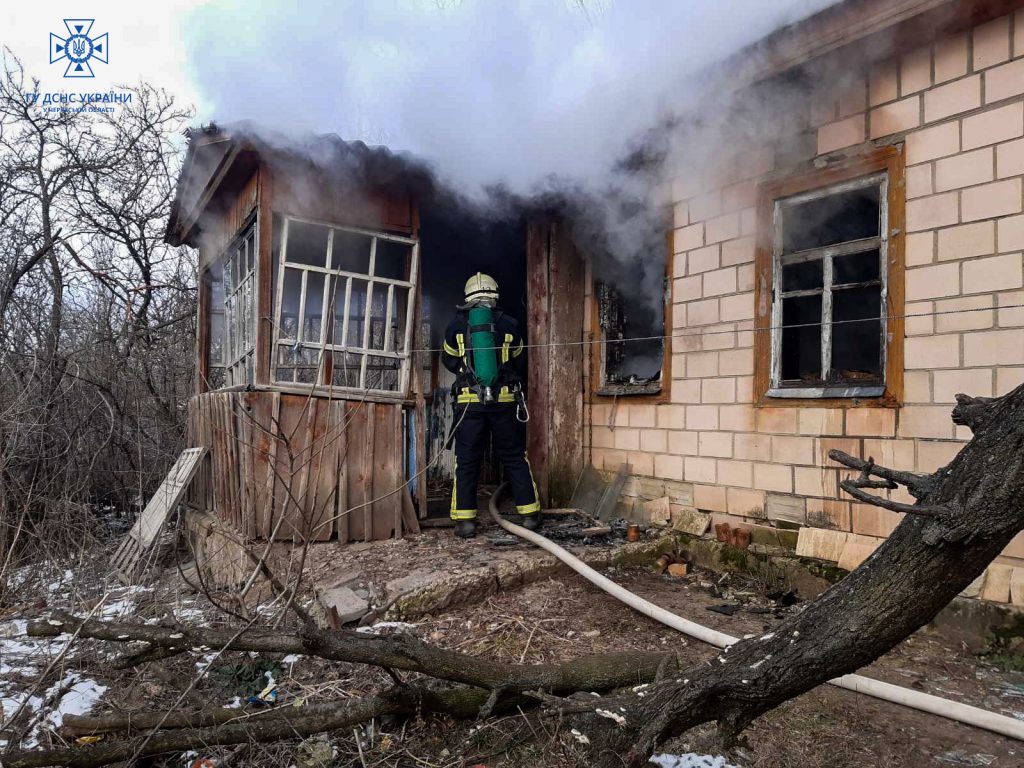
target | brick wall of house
[{"x": 958, "y": 107}]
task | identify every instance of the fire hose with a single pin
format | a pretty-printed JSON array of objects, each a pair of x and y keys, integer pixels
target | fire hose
[{"x": 924, "y": 702}]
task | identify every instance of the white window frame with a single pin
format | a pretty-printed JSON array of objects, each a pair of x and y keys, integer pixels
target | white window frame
[
  {"x": 323, "y": 346},
  {"x": 826, "y": 254},
  {"x": 240, "y": 308},
  {"x": 238, "y": 343}
]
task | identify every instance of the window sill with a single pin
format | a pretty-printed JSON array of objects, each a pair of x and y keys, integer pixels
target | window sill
[
  {"x": 629, "y": 390},
  {"x": 805, "y": 397},
  {"x": 825, "y": 392}
]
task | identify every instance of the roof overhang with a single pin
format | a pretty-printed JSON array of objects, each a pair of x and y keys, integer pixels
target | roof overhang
[{"x": 890, "y": 25}]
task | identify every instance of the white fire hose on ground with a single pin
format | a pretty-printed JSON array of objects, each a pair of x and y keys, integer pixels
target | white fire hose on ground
[{"x": 925, "y": 702}]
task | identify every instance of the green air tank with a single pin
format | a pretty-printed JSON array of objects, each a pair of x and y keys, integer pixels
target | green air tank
[{"x": 482, "y": 342}]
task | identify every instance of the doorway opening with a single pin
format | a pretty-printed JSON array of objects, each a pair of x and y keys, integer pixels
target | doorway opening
[{"x": 454, "y": 245}]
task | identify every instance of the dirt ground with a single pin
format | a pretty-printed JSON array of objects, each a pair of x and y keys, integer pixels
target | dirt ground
[{"x": 554, "y": 619}]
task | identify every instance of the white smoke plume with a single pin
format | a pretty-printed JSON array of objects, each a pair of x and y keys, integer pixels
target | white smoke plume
[
  {"x": 515, "y": 92},
  {"x": 523, "y": 96}
]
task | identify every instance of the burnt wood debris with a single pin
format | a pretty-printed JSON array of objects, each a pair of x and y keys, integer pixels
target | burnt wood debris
[{"x": 963, "y": 516}]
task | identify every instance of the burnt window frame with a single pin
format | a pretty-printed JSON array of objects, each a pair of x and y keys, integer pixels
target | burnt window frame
[
  {"x": 887, "y": 162},
  {"x": 826, "y": 255},
  {"x": 600, "y": 389}
]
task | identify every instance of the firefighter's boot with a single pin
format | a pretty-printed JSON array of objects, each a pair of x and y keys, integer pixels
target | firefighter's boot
[
  {"x": 465, "y": 529},
  {"x": 531, "y": 522}
]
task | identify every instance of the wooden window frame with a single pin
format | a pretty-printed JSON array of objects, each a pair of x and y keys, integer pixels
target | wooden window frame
[
  {"x": 237, "y": 360},
  {"x": 664, "y": 394},
  {"x": 886, "y": 160},
  {"x": 327, "y": 350},
  {"x": 240, "y": 307}
]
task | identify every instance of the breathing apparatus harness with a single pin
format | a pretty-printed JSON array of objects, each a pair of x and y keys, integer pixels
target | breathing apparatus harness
[{"x": 482, "y": 359}]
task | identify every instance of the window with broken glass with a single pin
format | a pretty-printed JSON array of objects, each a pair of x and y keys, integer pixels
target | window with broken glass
[
  {"x": 344, "y": 307},
  {"x": 829, "y": 291},
  {"x": 231, "y": 282},
  {"x": 632, "y": 352}
]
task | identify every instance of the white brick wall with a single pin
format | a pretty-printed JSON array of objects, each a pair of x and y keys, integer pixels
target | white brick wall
[{"x": 958, "y": 107}]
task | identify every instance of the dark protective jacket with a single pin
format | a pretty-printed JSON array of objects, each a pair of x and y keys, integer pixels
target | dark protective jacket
[{"x": 455, "y": 357}]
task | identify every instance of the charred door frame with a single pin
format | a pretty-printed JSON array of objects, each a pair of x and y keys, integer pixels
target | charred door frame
[{"x": 555, "y": 284}]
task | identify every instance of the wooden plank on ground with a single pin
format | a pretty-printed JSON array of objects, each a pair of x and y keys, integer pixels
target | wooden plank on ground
[{"x": 144, "y": 533}]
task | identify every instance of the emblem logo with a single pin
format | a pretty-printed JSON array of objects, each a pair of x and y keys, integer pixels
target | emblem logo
[{"x": 79, "y": 47}]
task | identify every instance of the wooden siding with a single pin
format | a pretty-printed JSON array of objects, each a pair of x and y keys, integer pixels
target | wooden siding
[{"x": 296, "y": 467}]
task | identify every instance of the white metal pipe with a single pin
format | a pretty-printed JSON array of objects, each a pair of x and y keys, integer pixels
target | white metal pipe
[{"x": 924, "y": 702}]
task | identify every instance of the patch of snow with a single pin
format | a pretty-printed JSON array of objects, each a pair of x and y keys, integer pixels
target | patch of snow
[
  {"x": 206, "y": 661},
  {"x": 80, "y": 696},
  {"x": 691, "y": 760},
  {"x": 376, "y": 628}
]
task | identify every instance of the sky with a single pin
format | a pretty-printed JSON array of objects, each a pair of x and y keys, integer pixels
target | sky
[
  {"x": 146, "y": 42},
  {"x": 507, "y": 91}
]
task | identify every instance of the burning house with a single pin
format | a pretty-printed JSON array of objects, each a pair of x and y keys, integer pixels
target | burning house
[{"x": 829, "y": 280}]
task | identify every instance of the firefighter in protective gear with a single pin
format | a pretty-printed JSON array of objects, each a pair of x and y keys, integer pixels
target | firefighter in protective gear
[{"x": 483, "y": 347}]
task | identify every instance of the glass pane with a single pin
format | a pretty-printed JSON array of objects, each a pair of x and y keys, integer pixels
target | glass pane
[
  {"x": 831, "y": 219},
  {"x": 392, "y": 260},
  {"x": 351, "y": 252},
  {"x": 355, "y": 312},
  {"x": 290, "y": 304},
  {"x": 399, "y": 312},
  {"x": 314, "y": 311},
  {"x": 216, "y": 378},
  {"x": 250, "y": 243},
  {"x": 801, "y": 347},
  {"x": 346, "y": 369},
  {"x": 382, "y": 373},
  {"x": 857, "y": 346},
  {"x": 216, "y": 350},
  {"x": 856, "y": 268},
  {"x": 216, "y": 273},
  {"x": 306, "y": 375},
  {"x": 307, "y": 244},
  {"x": 802, "y": 276},
  {"x": 378, "y": 320}
]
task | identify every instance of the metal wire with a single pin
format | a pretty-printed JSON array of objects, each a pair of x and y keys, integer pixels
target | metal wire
[{"x": 702, "y": 332}]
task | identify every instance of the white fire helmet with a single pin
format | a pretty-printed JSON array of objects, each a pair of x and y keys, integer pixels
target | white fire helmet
[{"x": 480, "y": 287}]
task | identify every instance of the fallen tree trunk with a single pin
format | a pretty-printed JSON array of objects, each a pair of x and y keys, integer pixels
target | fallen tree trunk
[
  {"x": 399, "y": 651},
  {"x": 964, "y": 516},
  {"x": 184, "y": 731}
]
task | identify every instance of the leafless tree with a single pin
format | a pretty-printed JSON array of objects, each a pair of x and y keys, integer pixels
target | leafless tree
[{"x": 96, "y": 313}]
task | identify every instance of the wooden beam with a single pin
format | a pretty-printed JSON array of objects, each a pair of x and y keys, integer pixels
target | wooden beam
[
  {"x": 538, "y": 306},
  {"x": 565, "y": 364}
]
